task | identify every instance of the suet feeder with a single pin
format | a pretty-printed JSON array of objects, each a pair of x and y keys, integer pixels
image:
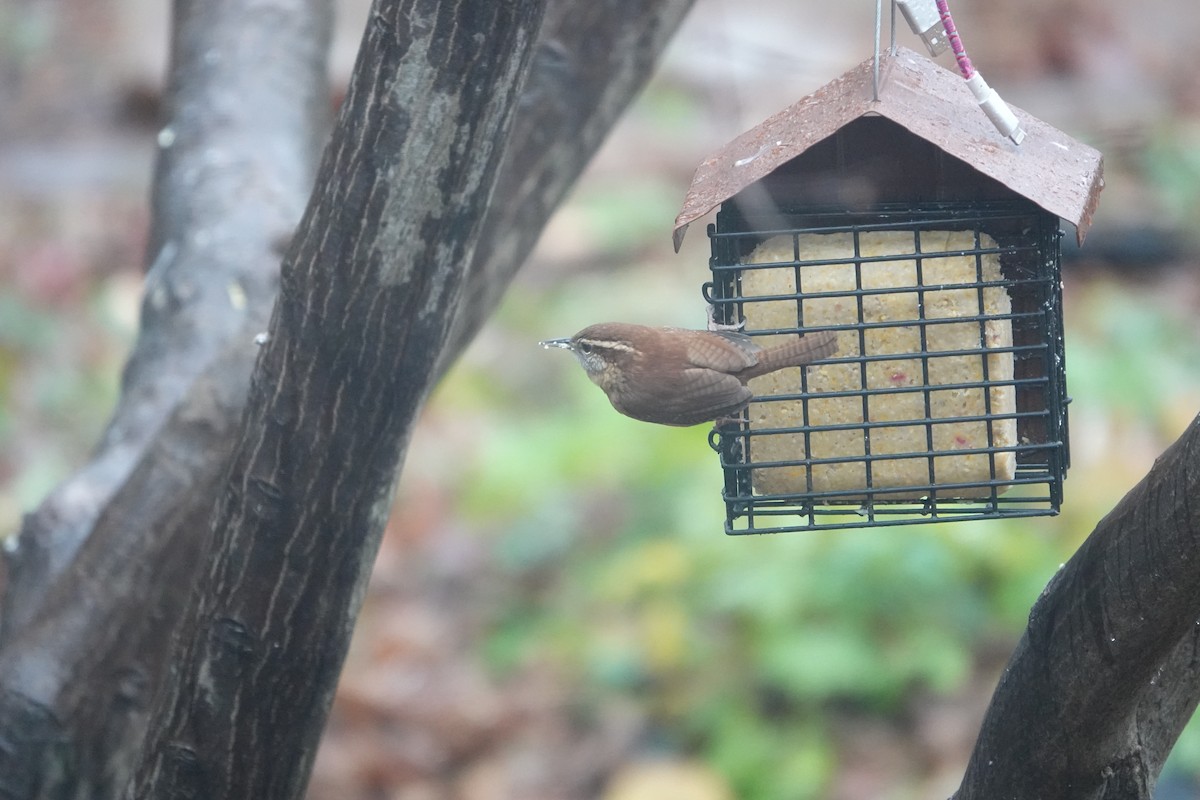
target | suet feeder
[{"x": 894, "y": 214}]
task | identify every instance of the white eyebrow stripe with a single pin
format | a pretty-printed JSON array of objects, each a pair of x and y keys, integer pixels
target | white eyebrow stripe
[{"x": 607, "y": 344}]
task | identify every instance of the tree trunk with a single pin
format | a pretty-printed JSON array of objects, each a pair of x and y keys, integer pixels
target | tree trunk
[{"x": 368, "y": 292}]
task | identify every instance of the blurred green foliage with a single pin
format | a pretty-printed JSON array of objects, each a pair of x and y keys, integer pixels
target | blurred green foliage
[
  {"x": 743, "y": 649},
  {"x": 1171, "y": 164},
  {"x": 59, "y": 379}
]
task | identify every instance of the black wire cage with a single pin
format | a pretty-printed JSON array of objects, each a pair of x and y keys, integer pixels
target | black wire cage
[
  {"x": 947, "y": 397},
  {"x": 930, "y": 246}
]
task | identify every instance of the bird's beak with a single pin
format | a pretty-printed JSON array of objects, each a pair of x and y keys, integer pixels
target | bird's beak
[{"x": 565, "y": 344}]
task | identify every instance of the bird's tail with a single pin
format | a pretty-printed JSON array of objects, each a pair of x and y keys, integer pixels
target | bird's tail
[{"x": 796, "y": 353}]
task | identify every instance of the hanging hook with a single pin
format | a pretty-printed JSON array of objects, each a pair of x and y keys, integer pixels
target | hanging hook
[
  {"x": 875, "y": 63},
  {"x": 892, "y": 46}
]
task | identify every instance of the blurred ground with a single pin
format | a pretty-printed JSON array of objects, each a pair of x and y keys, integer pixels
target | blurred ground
[{"x": 555, "y": 613}]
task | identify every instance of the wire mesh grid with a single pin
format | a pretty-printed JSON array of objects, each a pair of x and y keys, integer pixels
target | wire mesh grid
[{"x": 947, "y": 398}]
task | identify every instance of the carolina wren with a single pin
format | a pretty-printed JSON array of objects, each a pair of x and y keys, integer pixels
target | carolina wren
[{"x": 674, "y": 376}]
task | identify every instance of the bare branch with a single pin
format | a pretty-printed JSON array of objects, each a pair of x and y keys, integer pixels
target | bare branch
[
  {"x": 592, "y": 60},
  {"x": 1106, "y": 674},
  {"x": 248, "y": 106},
  {"x": 104, "y": 565}
]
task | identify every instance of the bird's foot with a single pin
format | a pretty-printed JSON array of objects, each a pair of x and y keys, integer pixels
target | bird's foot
[{"x": 713, "y": 325}]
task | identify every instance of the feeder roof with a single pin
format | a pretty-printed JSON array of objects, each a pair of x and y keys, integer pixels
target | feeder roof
[{"x": 1049, "y": 168}]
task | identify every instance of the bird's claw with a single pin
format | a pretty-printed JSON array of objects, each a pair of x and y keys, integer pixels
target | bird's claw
[{"x": 713, "y": 325}]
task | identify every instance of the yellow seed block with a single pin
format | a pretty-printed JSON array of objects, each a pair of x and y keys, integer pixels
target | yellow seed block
[{"x": 940, "y": 432}]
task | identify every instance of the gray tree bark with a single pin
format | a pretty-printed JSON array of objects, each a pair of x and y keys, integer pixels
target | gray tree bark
[
  {"x": 1108, "y": 671},
  {"x": 368, "y": 292},
  {"x": 101, "y": 570}
]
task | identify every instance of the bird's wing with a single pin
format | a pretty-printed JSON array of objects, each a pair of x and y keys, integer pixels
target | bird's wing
[
  {"x": 701, "y": 395},
  {"x": 724, "y": 351}
]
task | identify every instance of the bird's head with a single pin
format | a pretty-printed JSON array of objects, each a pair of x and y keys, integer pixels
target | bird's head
[{"x": 603, "y": 350}]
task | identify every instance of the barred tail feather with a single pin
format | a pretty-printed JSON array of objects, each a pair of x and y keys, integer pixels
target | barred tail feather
[{"x": 804, "y": 350}]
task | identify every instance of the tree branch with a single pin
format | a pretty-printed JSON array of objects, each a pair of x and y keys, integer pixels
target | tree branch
[
  {"x": 248, "y": 104},
  {"x": 101, "y": 572},
  {"x": 1107, "y": 673},
  {"x": 592, "y": 61}
]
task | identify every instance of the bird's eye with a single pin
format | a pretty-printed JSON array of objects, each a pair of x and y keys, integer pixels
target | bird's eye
[{"x": 585, "y": 348}]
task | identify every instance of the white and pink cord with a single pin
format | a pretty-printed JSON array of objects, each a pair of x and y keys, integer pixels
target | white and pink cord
[
  {"x": 996, "y": 109},
  {"x": 921, "y": 18}
]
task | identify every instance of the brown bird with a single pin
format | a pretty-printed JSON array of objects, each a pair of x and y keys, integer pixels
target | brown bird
[{"x": 675, "y": 376}]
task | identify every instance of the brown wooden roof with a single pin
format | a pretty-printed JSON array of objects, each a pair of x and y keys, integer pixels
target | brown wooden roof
[{"x": 1049, "y": 168}]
